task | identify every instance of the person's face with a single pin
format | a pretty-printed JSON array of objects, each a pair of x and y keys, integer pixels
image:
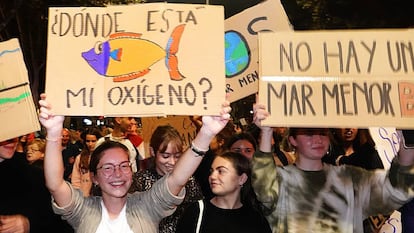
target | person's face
[
  {"x": 243, "y": 147},
  {"x": 65, "y": 137},
  {"x": 114, "y": 182},
  {"x": 165, "y": 161},
  {"x": 33, "y": 153},
  {"x": 224, "y": 179},
  {"x": 126, "y": 124},
  {"x": 347, "y": 134},
  {"x": 7, "y": 148},
  {"x": 133, "y": 127},
  {"x": 311, "y": 143},
  {"x": 90, "y": 141}
]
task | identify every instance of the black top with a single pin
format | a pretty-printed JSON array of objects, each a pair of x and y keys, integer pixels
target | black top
[
  {"x": 217, "y": 220},
  {"x": 23, "y": 191},
  {"x": 366, "y": 157}
]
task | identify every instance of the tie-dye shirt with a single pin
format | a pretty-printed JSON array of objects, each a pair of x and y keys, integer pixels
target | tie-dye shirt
[{"x": 335, "y": 199}]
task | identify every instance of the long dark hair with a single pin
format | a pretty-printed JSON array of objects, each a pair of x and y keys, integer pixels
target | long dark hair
[
  {"x": 85, "y": 153},
  {"x": 242, "y": 165}
]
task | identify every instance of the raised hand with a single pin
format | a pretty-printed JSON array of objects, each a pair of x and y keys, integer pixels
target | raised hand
[
  {"x": 214, "y": 124},
  {"x": 14, "y": 223},
  {"x": 47, "y": 118}
]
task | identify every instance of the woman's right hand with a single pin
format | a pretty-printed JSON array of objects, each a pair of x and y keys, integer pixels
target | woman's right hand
[
  {"x": 47, "y": 118},
  {"x": 260, "y": 114}
]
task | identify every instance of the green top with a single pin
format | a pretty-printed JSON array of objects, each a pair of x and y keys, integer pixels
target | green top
[{"x": 335, "y": 199}]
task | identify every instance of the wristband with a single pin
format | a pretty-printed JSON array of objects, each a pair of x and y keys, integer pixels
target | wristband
[{"x": 199, "y": 152}]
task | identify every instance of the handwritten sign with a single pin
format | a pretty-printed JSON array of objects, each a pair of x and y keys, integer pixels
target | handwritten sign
[
  {"x": 242, "y": 53},
  {"x": 182, "y": 124},
  {"x": 143, "y": 60},
  {"x": 387, "y": 143},
  {"x": 338, "y": 78},
  {"x": 16, "y": 101}
]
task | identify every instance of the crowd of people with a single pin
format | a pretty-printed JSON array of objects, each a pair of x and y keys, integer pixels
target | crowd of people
[{"x": 254, "y": 179}]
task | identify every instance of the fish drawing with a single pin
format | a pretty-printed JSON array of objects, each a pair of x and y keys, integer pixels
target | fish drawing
[{"x": 126, "y": 56}]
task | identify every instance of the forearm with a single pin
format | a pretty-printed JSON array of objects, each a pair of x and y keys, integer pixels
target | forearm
[
  {"x": 266, "y": 135},
  {"x": 189, "y": 161},
  {"x": 76, "y": 175},
  {"x": 53, "y": 162},
  {"x": 265, "y": 178},
  {"x": 53, "y": 167}
]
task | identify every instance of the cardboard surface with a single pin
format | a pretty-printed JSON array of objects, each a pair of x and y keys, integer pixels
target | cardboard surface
[
  {"x": 338, "y": 78},
  {"x": 143, "y": 60},
  {"x": 242, "y": 53},
  {"x": 17, "y": 110}
]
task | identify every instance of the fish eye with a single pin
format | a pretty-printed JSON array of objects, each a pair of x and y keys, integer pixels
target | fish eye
[{"x": 98, "y": 47}]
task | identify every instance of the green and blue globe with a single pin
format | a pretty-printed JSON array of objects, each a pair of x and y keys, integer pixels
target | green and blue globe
[{"x": 237, "y": 53}]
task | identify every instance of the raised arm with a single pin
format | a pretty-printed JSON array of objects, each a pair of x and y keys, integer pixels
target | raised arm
[
  {"x": 53, "y": 162},
  {"x": 266, "y": 132},
  {"x": 190, "y": 160}
]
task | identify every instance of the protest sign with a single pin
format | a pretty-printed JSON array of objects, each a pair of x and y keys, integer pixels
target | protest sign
[
  {"x": 182, "y": 124},
  {"x": 242, "y": 53},
  {"x": 17, "y": 110},
  {"x": 338, "y": 78},
  {"x": 142, "y": 60},
  {"x": 387, "y": 143}
]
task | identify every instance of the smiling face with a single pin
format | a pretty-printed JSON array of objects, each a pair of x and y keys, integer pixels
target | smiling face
[
  {"x": 165, "y": 161},
  {"x": 347, "y": 134},
  {"x": 224, "y": 179},
  {"x": 117, "y": 183}
]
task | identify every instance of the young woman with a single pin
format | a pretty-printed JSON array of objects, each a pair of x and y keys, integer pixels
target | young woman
[
  {"x": 353, "y": 146},
  {"x": 243, "y": 143},
  {"x": 311, "y": 196},
  {"x": 115, "y": 211},
  {"x": 166, "y": 148},
  {"x": 81, "y": 177},
  {"x": 232, "y": 209}
]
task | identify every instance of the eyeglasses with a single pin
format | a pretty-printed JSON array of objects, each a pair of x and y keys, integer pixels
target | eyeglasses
[
  {"x": 108, "y": 168},
  {"x": 32, "y": 150}
]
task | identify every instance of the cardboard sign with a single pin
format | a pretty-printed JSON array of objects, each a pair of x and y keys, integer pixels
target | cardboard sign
[
  {"x": 387, "y": 143},
  {"x": 183, "y": 124},
  {"x": 142, "y": 60},
  {"x": 17, "y": 110},
  {"x": 338, "y": 78},
  {"x": 242, "y": 53}
]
